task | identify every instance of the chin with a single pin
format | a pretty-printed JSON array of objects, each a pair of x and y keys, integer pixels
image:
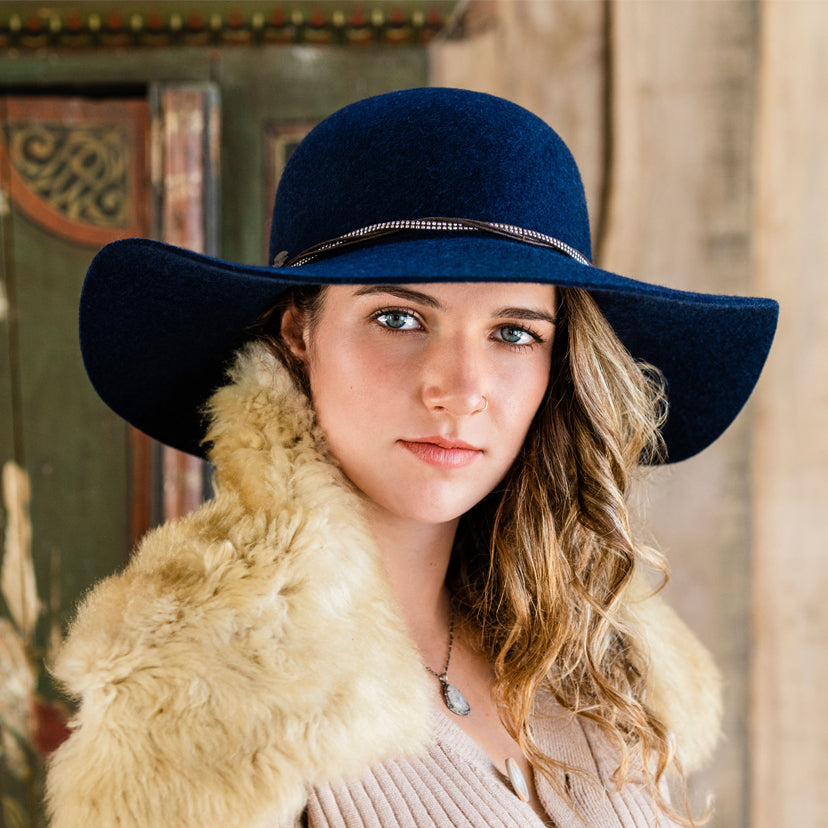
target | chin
[{"x": 430, "y": 510}]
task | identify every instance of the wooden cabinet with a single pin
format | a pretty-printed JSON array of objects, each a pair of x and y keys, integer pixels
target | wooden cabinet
[{"x": 180, "y": 143}]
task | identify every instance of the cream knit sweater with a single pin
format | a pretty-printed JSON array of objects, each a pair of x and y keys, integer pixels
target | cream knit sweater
[{"x": 456, "y": 784}]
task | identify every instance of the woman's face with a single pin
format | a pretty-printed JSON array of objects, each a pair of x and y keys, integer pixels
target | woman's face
[{"x": 425, "y": 393}]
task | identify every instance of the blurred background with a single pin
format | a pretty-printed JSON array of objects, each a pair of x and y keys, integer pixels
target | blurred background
[{"x": 701, "y": 129}]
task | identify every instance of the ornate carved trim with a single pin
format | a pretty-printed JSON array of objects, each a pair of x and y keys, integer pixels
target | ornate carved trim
[
  {"x": 79, "y": 170},
  {"x": 102, "y": 25},
  {"x": 77, "y": 176}
]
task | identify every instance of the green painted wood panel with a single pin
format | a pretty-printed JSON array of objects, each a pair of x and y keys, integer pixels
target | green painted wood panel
[
  {"x": 74, "y": 450},
  {"x": 6, "y": 326},
  {"x": 67, "y": 516}
]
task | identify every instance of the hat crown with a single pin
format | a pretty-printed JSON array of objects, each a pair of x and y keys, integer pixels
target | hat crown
[{"x": 423, "y": 153}]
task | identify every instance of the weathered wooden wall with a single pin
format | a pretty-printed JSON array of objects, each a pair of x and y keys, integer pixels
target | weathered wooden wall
[
  {"x": 790, "y": 463},
  {"x": 702, "y": 133}
]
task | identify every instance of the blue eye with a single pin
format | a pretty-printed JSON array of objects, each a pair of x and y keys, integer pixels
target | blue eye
[
  {"x": 397, "y": 320},
  {"x": 515, "y": 336}
]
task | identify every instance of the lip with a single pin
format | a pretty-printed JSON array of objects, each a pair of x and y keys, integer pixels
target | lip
[{"x": 442, "y": 452}]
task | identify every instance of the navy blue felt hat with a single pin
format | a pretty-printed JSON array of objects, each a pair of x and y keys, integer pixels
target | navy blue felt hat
[{"x": 414, "y": 186}]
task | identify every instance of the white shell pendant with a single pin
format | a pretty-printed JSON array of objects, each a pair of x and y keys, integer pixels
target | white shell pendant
[
  {"x": 516, "y": 778},
  {"x": 454, "y": 699}
]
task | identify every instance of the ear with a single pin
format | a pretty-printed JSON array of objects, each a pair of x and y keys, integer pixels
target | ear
[{"x": 294, "y": 331}]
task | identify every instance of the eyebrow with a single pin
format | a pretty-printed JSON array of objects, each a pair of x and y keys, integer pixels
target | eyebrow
[
  {"x": 400, "y": 293},
  {"x": 529, "y": 314}
]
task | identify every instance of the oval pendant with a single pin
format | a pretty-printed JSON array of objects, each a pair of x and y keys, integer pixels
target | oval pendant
[
  {"x": 519, "y": 785},
  {"x": 455, "y": 700}
]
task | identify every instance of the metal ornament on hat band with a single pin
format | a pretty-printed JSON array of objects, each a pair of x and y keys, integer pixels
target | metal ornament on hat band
[{"x": 439, "y": 225}]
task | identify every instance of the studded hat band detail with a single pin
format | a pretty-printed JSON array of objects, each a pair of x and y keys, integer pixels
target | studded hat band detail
[{"x": 387, "y": 228}]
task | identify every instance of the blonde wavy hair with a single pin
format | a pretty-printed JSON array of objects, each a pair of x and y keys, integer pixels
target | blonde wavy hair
[
  {"x": 540, "y": 565},
  {"x": 545, "y": 559}
]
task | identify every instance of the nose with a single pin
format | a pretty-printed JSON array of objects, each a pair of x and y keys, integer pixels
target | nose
[{"x": 454, "y": 379}]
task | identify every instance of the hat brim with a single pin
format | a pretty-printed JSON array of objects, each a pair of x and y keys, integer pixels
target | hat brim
[{"x": 159, "y": 324}]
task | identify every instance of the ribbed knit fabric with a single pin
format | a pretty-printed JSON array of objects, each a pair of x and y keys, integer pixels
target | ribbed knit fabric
[{"x": 455, "y": 784}]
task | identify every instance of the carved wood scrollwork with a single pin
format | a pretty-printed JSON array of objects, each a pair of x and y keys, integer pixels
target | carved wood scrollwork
[{"x": 76, "y": 172}]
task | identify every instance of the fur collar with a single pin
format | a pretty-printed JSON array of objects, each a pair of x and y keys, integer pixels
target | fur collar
[{"x": 252, "y": 648}]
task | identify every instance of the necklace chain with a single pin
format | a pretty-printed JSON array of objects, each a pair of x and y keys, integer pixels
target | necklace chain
[
  {"x": 453, "y": 698},
  {"x": 444, "y": 675}
]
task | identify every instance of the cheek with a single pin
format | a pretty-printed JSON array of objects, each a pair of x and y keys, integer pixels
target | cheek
[
  {"x": 347, "y": 384},
  {"x": 523, "y": 394}
]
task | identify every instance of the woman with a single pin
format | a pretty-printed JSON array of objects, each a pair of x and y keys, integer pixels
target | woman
[{"x": 415, "y": 598}]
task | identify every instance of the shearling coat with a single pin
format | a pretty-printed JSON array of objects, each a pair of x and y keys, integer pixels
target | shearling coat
[{"x": 252, "y": 649}]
